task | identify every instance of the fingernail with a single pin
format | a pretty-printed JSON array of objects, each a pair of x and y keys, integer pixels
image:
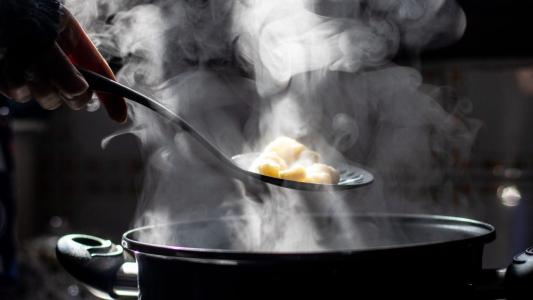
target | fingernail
[
  {"x": 66, "y": 96},
  {"x": 79, "y": 102},
  {"x": 79, "y": 86},
  {"x": 21, "y": 94},
  {"x": 50, "y": 102},
  {"x": 75, "y": 104}
]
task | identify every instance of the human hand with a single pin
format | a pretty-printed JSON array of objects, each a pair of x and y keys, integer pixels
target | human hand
[{"x": 51, "y": 77}]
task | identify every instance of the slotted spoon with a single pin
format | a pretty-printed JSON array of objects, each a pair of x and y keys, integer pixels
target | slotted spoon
[{"x": 351, "y": 176}]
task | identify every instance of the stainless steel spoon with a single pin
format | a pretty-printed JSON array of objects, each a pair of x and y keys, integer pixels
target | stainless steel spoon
[{"x": 350, "y": 176}]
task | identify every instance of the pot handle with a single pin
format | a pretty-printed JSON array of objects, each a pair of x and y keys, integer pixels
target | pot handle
[
  {"x": 99, "y": 264},
  {"x": 519, "y": 276}
]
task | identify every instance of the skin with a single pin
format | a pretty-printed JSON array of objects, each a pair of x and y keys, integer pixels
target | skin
[{"x": 53, "y": 79}]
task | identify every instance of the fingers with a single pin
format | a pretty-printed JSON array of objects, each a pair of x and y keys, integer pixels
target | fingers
[
  {"x": 18, "y": 92},
  {"x": 21, "y": 93},
  {"x": 61, "y": 73},
  {"x": 54, "y": 79},
  {"x": 51, "y": 89},
  {"x": 44, "y": 94},
  {"x": 79, "y": 102},
  {"x": 82, "y": 52},
  {"x": 47, "y": 96},
  {"x": 50, "y": 95}
]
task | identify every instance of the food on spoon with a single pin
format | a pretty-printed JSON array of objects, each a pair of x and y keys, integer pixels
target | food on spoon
[
  {"x": 270, "y": 164},
  {"x": 288, "y": 159},
  {"x": 296, "y": 173},
  {"x": 286, "y": 148},
  {"x": 321, "y": 173}
]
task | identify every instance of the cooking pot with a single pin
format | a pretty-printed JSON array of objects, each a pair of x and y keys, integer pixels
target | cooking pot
[{"x": 398, "y": 255}]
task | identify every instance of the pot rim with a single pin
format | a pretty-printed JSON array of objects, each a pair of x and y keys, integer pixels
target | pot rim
[{"x": 487, "y": 234}]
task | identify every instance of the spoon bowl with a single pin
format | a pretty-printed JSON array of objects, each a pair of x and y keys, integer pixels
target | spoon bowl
[{"x": 351, "y": 176}]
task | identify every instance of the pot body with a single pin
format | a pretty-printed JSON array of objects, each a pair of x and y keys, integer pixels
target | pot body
[
  {"x": 445, "y": 272},
  {"x": 399, "y": 256}
]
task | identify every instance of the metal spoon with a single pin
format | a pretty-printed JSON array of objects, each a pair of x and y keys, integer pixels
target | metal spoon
[{"x": 350, "y": 176}]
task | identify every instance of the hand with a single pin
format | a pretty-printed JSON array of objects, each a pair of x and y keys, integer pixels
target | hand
[{"x": 53, "y": 79}]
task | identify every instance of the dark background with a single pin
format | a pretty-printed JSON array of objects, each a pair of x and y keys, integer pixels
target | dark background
[
  {"x": 66, "y": 183},
  {"x": 495, "y": 29}
]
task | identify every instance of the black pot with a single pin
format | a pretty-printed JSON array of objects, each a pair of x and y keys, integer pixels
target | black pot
[{"x": 407, "y": 256}]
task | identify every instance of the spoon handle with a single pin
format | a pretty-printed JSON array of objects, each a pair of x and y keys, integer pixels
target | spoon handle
[{"x": 100, "y": 83}]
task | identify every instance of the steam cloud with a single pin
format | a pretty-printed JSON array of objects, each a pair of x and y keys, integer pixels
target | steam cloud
[{"x": 246, "y": 71}]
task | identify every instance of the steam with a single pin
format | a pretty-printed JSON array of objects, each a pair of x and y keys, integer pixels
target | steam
[
  {"x": 283, "y": 39},
  {"x": 246, "y": 71},
  {"x": 276, "y": 225}
]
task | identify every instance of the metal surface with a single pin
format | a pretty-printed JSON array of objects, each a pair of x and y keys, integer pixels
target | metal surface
[
  {"x": 376, "y": 233},
  {"x": 411, "y": 256},
  {"x": 126, "y": 280},
  {"x": 354, "y": 177},
  {"x": 405, "y": 256},
  {"x": 351, "y": 176}
]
